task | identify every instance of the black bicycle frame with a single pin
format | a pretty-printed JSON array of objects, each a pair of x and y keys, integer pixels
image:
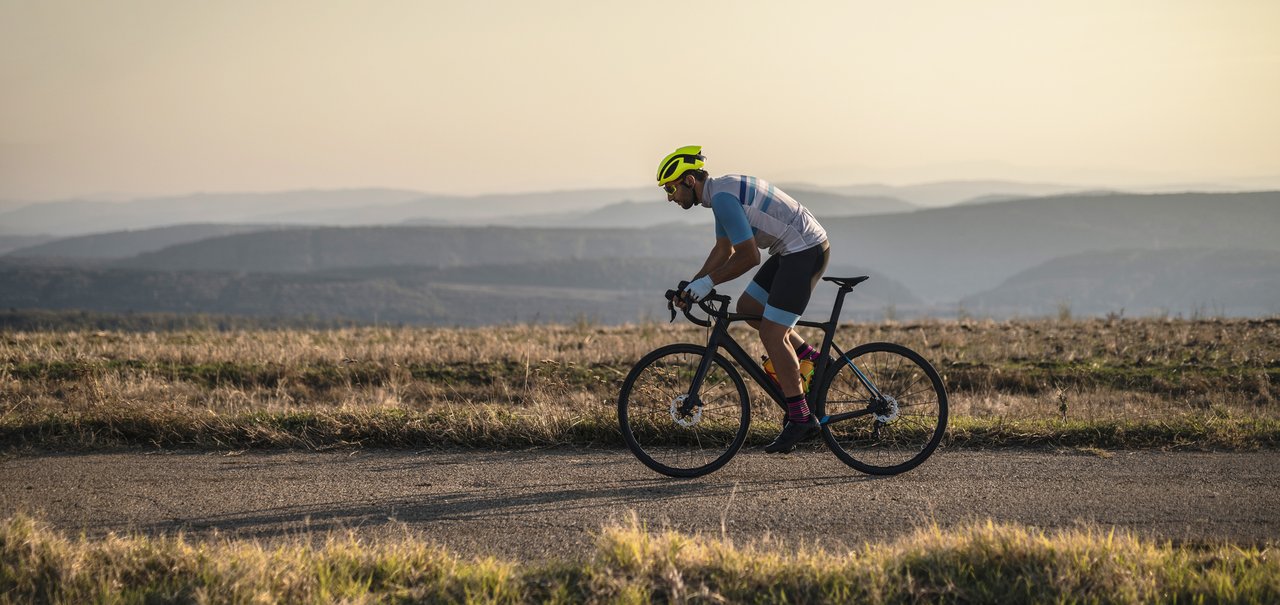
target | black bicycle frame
[{"x": 720, "y": 338}]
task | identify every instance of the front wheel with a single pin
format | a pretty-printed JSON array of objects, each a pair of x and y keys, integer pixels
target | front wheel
[
  {"x": 889, "y": 419},
  {"x": 668, "y": 432}
]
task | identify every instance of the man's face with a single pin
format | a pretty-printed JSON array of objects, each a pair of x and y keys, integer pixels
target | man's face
[{"x": 681, "y": 193}]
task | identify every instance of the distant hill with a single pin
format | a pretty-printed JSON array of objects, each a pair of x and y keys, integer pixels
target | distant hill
[
  {"x": 368, "y": 207},
  {"x": 7, "y": 205},
  {"x": 1000, "y": 197},
  {"x": 620, "y": 215},
  {"x": 356, "y": 207},
  {"x": 995, "y": 197},
  {"x": 606, "y": 290},
  {"x": 124, "y": 244},
  {"x": 825, "y": 204},
  {"x": 78, "y": 217},
  {"x": 17, "y": 242},
  {"x": 940, "y": 254},
  {"x": 936, "y": 257},
  {"x": 471, "y": 210},
  {"x": 630, "y": 214},
  {"x": 123, "y": 290},
  {"x": 319, "y": 249},
  {"x": 944, "y": 254},
  {"x": 642, "y": 274},
  {"x": 655, "y": 274},
  {"x": 946, "y": 193},
  {"x": 1143, "y": 282}
]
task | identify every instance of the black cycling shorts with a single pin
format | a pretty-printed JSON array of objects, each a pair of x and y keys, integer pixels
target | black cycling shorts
[{"x": 786, "y": 281}]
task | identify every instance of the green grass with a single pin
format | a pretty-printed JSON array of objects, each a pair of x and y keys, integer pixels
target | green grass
[
  {"x": 980, "y": 562},
  {"x": 961, "y": 377},
  {"x": 497, "y": 426},
  {"x": 1191, "y": 432},
  {"x": 1047, "y": 376},
  {"x": 311, "y": 378},
  {"x": 1106, "y": 384}
]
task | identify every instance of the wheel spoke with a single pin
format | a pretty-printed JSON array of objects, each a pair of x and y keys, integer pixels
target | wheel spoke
[
  {"x": 927, "y": 388},
  {"x": 700, "y": 442},
  {"x": 910, "y": 436}
]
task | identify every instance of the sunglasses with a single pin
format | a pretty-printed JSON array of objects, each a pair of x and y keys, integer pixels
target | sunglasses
[{"x": 671, "y": 188}]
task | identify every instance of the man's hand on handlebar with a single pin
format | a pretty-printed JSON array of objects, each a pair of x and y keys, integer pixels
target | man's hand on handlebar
[
  {"x": 686, "y": 296},
  {"x": 699, "y": 288},
  {"x": 692, "y": 292},
  {"x": 677, "y": 299},
  {"x": 680, "y": 298}
]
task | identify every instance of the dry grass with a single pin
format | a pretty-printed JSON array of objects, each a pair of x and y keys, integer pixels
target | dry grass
[
  {"x": 1181, "y": 383},
  {"x": 969, "y": 564}
]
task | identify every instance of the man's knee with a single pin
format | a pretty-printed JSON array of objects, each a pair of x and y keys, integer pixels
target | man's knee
[
  {"x": 771, "y": 332},
  {"x": 749, "y": 306}
]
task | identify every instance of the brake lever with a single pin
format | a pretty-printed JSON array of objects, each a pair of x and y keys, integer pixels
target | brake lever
[{"x": 671, "y": 298}]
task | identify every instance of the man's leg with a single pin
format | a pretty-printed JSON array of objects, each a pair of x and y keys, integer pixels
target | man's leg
[
  {"x": 750, "y": 306},
  {"x": 785, "y": 363},
  {"x": 800, "y": 423},
  {"x": 792, "y": 284}
]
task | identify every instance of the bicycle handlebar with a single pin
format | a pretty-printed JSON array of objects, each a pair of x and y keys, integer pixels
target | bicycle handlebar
[{"x": 704, "y": 304}]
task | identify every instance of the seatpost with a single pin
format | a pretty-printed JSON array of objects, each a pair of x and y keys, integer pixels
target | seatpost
[
  {"x": 831, "y": 335},
  {"x": 835, "y": 311}
]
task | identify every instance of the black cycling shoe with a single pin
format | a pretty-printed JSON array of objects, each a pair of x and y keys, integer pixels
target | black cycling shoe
[
  {"x": 788, "y": 450},
  {"x": 793, "y": 433}
]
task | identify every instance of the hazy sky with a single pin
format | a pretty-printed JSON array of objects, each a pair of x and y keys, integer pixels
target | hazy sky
[{"x": 174, "y": 96}]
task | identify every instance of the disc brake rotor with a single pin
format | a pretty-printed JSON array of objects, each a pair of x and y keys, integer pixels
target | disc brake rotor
[
  {"x": 890, "y": 410},
  {"x": 685, "y": 420}
]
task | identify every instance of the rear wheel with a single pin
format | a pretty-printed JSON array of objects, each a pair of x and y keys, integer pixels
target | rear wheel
[
  {"x": 668, "y": 432},
  {"x": 891, "y": 431}
]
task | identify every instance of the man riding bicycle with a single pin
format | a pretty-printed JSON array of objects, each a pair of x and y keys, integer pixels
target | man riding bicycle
[{"x": 751, "y": 214}]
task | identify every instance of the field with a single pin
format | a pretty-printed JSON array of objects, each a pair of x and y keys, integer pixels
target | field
[
  {"x": 632, "y": 564},
  {"x": 1092, "y": 385},
  {"x": 1175, "y": 384}
]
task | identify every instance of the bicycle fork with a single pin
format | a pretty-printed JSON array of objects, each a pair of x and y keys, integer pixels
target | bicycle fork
[{"x": 692, "y": 400}]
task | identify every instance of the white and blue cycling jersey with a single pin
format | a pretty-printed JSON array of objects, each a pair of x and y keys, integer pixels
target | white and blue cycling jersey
[{"x": 747, "y": 207}]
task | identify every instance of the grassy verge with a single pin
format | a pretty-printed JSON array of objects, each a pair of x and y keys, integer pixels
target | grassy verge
[
  {"x": 974, "y": 563},
  {"x": 1174, "y": 380},
  {"x": 490, "y": 426},
  {"x": 1107, "y": 384}
]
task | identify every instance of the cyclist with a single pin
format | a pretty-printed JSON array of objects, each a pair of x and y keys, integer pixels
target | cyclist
[{"x": 751, "y": 214}]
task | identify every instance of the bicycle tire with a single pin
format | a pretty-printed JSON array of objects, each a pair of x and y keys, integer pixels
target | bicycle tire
[
  {"x": 683, "y": 445},
  {"x": 895, "y": 439}
]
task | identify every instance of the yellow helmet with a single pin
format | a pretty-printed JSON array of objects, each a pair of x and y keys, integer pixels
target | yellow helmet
[{"x": 679, "y": 162}]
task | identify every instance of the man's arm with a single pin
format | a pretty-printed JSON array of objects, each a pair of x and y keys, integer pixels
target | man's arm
[
  {"x": 735, "y": 237},
  {"x": 743, "y": 256},
  {"x": 720, "y": 254},
  {"x": 735, "y": 251}
]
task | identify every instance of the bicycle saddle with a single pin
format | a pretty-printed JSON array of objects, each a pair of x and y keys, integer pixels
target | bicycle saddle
[{"x": 847, "y": 282}]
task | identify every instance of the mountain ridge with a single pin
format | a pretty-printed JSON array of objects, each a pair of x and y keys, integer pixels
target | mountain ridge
[
  {"x": 1142, "y": 282},
  {"x": 369, "y": 206}
]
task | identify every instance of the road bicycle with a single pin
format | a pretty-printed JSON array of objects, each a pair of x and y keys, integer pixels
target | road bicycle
[{"x": 684, "y": 409}]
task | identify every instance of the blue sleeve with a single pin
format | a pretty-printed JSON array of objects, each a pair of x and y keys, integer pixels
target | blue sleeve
[{"x": 731, "y": 219}]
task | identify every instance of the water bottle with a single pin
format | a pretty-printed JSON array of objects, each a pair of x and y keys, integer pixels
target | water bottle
[
  {"x": 768, "y": 369},
  {"x": 806, "y": 372}
]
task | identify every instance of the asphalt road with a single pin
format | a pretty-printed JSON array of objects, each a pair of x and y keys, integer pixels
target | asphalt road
[{"x": 538, "y": 504}]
